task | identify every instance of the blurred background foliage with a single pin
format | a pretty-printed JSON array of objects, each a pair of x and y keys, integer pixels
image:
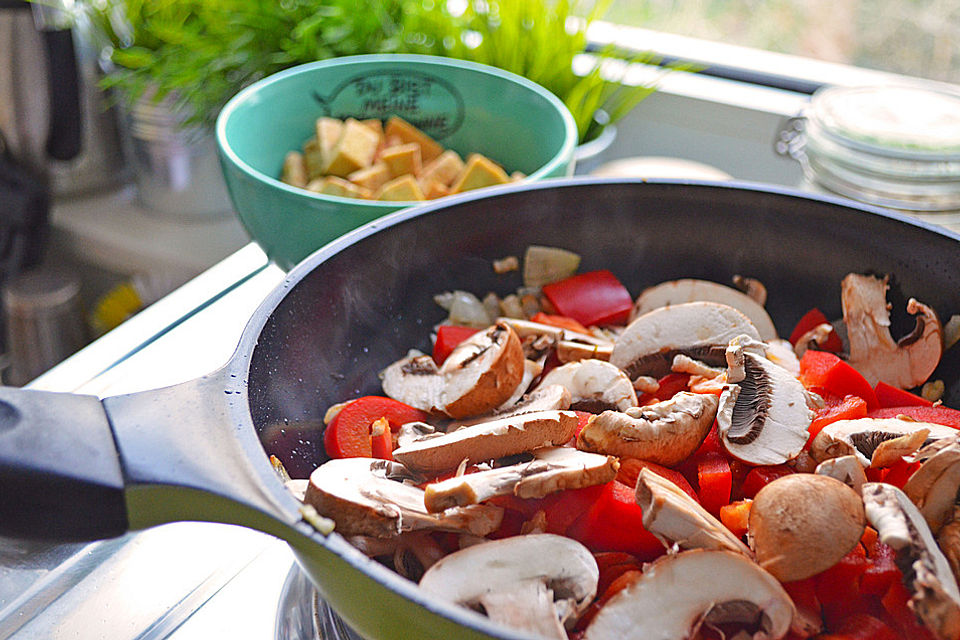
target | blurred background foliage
[{"x": 201, "y": 52}]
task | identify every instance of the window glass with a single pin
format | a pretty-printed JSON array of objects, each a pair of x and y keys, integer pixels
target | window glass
[{"x": 910, "y": 37}]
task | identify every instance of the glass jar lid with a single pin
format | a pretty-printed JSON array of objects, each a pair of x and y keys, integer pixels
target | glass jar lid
[{"x": 894, "y": 146}]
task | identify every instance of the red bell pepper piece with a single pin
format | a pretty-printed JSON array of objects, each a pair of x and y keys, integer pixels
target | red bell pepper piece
[
  {"x": 890, "y": 396},
  {"x": 862, "y": 626},
  {"x": 582, "y": 418},
  {"x": 381, "y": 439},
  {"x": 804, "y": 596},
  {"x": 592, "y": 298},
  {"x": 808, "y": 322},
  {"x": 838, "y": 588},
  {"x": 849, "y": 408},
  {"x": 448, "y": 337},
  {"x": 899, "y": 472},
  {"x": 759, "y": 477},
  {"x": 715, "y": 482},
  {"x": 736, "y": 516},
  {"x": 670, "y": 385},
  {"x": 621, "y": 582},
  {"x": 630, "y": 470},
  {"x": 563, "y": 508},
  {"x": 823, "y": 370},
  {"x": 614, "y": 522},
  {"x": 882, "y": 571},
  {"x": 348, "y": 435},
  {"x": 937, "y": 415},
  {"x": 894, "y": 603},
  {"x": 613, "y": 564},
  {"x": 559, "y": 321}
]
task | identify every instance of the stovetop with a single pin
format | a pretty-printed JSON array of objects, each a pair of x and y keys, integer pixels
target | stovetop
[{"x": 182, "y": 581}]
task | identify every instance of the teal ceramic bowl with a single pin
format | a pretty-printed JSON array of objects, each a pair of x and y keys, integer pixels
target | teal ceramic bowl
[{"x": 464, "y": 106}]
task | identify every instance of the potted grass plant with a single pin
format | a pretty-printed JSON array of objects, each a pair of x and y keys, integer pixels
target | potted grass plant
[
  {"x": 542, "y": 40},
  {"x": 198, "y": 53}
]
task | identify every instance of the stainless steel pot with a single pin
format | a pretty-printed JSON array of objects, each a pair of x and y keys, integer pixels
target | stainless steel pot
[{"x": 75, "y": 467}]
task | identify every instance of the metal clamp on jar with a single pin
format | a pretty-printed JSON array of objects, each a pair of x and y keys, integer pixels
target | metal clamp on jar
[{"x": 893, "y": 146}]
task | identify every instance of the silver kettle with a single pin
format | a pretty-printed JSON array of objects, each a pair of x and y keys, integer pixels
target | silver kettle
[{"x": 54, "y": 118}]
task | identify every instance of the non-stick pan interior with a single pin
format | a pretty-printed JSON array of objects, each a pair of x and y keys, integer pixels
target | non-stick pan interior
[{"x": 359, "y": 304}]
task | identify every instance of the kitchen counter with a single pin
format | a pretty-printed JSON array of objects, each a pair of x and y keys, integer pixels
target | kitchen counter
[{"x": 183, "y": 580}]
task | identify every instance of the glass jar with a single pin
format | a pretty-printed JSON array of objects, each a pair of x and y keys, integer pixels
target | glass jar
[{"x": 892, "y": 146}]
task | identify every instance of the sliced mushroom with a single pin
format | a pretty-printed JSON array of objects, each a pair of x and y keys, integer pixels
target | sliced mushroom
[
  {"x": 552, "y": 469},
  {"x": 366, "y": 497},
  {"x": 525, "y": 582},
  {"x": 488, "y": 440},
  {"x": 666, "y": 432},
  {"x": 690, "y": 290},
  {"x": 531, "y": 369},
  {"x": 802, "y": 524},
  {"x": 700, "y": 330},
  {"x": 680, "y": 592},
  {"x": 846, "y": 469},
  {"x": 934, "y": 485},
  {"x": 906, "y": 363},
  {"x": 539, "y": 339},
  {"x": 813, "y": 338},
  {"x": 480, "y": 374},
  {"x": 949, "y": 542},
  {"x": 594, "y": 385},
  {"x": 926, "y": 572},
  {"x": 862, "y": 437},
  {"x": 675, "y": 518},
  {"x": 752, "y": 287},
  {"x": 763, "y": 417}
]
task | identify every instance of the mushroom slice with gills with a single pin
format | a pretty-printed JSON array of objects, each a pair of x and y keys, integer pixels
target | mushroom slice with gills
[
  {"x": 594, "y": 385},
  {"x": 801, "y": 524},
  {"x": 552, "y": 397},
  {"x": 699, "y": 330},
  {"x": 526, "y": 582},
  {"x": 764, "y": 412},
  {"x": 846, "y": 469},
  {"x": 367, "y": 497},
  {"x": 678, "y": 593},
  {"x": 552, "y": 469},
  {"x": 531, "y": 369},
  {"x": 487, "y": 441},
  {"x": 676, "y": 292},
  {"x": 906, "y": 363},
  {"x": 480, "y": 374},
  {"x": 675, "y": 518},
  {"x": 862, "y": 437},
  {"x": 933, "y": 487},
  {"x": 934, "y": 596},
  {"x": 665, "y": 432}
]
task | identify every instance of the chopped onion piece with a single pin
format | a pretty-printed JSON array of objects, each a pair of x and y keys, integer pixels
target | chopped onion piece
[{"x": 543, "y": 265}]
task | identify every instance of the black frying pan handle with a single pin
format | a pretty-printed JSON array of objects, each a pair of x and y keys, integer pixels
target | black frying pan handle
[
  {"x": 60, "y": 478},
  {"x": 64, "y": 136}
]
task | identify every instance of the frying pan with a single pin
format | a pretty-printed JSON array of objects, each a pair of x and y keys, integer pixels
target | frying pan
[{"x": 74, "y": 467}]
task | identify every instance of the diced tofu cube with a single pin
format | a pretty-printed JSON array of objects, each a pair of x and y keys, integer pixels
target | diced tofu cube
[
  {"x": 406, "y": 132},
  {"x": 294, "y": 169},
  {"x": 402, "y": 159},
  {"x": 376, "y": 125},
  {"x": 435, "y": 189},
  {"x": 443, "y": 169},
  {"x": 313, "y": 158},
  {"x": 403, "y": 189},
  {"x": 354, "y": 149},
  {"x": 334, "y": 186},
  {"x": 372, "y": 177},
  {"x": 479, "y": 172},
  {"x": 328, "y": 131}
]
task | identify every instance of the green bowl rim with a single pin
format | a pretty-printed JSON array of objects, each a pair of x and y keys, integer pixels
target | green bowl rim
[{"x": 564, "y": 154}]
